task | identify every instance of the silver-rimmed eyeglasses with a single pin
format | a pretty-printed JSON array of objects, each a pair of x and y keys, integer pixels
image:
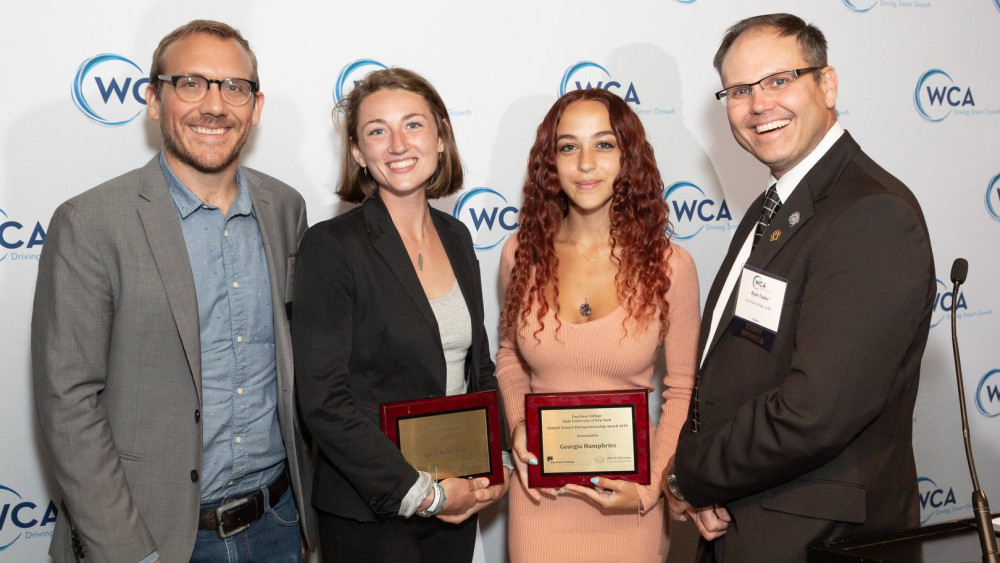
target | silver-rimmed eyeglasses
[
  {"x": 773, "y": 83},
  {"x": 192, "y": 88}
]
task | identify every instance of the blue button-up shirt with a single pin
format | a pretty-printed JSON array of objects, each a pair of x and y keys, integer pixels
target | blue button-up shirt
[{"x": 242, "y": 440}]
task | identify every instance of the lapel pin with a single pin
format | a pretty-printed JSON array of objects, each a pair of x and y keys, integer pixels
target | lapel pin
[
  {"x": 793, "y": 219},
  {"x": 775, "y": 235}
]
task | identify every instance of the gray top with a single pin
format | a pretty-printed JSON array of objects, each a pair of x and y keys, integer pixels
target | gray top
[{"x": 455, "y": 325}]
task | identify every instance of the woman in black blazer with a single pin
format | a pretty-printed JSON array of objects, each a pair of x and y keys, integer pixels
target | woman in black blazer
[{"x": 388, "y": 307}]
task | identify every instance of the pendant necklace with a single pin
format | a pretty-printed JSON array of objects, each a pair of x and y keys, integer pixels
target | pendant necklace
[
  {"x": 585, "y": 309},
  {"x": 420, "y": 249}
]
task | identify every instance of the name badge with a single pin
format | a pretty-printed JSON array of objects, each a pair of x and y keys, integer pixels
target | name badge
[{"x": 759, "y": 300}]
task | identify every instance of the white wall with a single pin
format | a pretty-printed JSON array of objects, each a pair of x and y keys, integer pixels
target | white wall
[{"x": 499, "y": 66}]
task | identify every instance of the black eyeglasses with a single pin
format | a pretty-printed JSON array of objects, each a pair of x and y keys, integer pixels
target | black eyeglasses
[
  {"x": 192, "y": 88},
  {"x": 772, "y": 83}
]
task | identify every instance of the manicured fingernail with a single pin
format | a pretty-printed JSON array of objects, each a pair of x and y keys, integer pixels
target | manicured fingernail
[
  {"x": 595, "y": 480},
  {"x": 532, "y": 461}
]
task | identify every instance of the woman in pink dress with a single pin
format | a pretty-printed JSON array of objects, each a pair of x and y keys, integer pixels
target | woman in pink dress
[{"x": 594, "y": 290}]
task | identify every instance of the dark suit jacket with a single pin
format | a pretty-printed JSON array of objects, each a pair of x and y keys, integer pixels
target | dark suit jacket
[
  {"x": 811, "y": 441},
  {"x": 116, "y": 356},
  {"x": 365, "y": 334}
]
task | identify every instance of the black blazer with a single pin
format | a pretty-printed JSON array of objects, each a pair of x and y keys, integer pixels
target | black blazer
[
  {"x": 811, "y": 441},
  {"x": 364, "y": 334}
]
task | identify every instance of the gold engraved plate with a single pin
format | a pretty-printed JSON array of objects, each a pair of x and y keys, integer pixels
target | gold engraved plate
[
  {"x": 451, "y": 444},
  {"x": 588, "y": 440}
]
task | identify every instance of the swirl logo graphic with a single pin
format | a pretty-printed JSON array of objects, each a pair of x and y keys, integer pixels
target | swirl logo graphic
[
  {"x": 21, "y": 518},
  {"x": 109, "y": 89},
  {"x": 860, "y": 6},
  {"x": 936, "y": 96},
  {"x": 690, "y": 211},
  {"x": 351, "y": 74},
  {"x": 18, "y": 241},
  {"x": 567, "y": 84},
  {"x": 933, "y": 499},
  {"x": 488, "y": 215},
  {"x": 926, "y": 112},
  {"x": 988, "y": 394},
  {"x": 693, "y": 1},
  {"x": 588, "y": 74},
  {"x": 8, "y": 490},
  {"x": 993, "y": 195},
  {"x": 4, "y": 546}
]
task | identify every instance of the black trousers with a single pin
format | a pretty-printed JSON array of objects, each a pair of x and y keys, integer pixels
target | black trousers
[{"x": 398, "y": 540}]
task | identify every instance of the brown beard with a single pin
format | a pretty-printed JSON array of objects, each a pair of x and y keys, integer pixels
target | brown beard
[{"x": 172, "y": 146}]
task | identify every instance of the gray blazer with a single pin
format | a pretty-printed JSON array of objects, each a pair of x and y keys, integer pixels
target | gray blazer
[{"x": 117, "y": 365}]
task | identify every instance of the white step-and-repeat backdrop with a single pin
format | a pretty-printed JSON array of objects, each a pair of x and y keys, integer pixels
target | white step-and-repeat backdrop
[{"x": 919, "y": 89}]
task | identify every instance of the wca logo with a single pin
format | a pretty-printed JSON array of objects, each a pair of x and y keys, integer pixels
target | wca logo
[
  {"x": 19, "y": 517},
  {"x": 860, "y": 6},
  {"x": 14, "y": 236},
  {"x": 110, "y": 89},
  {"x": 691, "y": 211},
  {"x": 936, "y": 96},
  {"x": 944, "y": 302},
  {"x": 351, "y": 74},
  {"x": 488, "y": 215},
  {"x": 588, "y": 74},
  {"x": 934, "y": 500},
  {"x": 993, "y": 195},
  {"x": 988, "y": 394}
]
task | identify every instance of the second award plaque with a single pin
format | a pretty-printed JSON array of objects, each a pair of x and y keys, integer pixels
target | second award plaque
[
  {"x": 453, "y": 436},
  {"x": 577, "y": 436}
]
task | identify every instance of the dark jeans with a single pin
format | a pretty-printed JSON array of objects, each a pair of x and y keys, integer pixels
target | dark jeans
[{"x": 275, "y": 538}]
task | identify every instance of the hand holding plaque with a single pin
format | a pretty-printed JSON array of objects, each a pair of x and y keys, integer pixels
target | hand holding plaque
[
  {"x": 578, "y": 436},
  {"x": 453, "y": 436}
]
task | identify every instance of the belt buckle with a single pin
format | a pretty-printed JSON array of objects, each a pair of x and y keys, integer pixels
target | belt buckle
[{"x": 219, "y": 512}]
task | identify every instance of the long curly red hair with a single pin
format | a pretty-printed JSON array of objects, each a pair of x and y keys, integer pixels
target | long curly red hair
[{"x": 638, "y": 213}]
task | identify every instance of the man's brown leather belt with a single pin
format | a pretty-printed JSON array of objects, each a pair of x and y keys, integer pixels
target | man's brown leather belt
[{"x": 236, "y": 515}]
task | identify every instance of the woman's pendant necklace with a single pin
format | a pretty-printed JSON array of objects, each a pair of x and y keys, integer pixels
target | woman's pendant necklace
[
  {"x": 585, "y": 309},
  {"x": 420, "y": 248}
]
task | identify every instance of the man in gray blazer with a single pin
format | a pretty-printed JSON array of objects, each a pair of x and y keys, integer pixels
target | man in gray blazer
[{"x": 160, "y": 342}]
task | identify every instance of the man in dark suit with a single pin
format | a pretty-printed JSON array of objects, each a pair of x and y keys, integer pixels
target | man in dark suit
[
  {"x": 814, "y": 327},
  {"x": 160, "y": 344}
]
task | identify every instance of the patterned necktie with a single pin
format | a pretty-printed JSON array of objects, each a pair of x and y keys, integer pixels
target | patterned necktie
[{"x": 772, "y": 203}]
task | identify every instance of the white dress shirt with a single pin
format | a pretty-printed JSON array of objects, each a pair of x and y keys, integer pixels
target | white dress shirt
[{"x": 786, "y": 185}]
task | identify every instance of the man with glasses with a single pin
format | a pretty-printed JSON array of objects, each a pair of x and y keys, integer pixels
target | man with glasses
[
  {"x": 800, "y": 427},
  {"x": 160, "y": 341}
]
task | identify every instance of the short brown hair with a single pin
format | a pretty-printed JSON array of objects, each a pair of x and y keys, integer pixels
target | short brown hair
[
  {"x": 810, "y": 38},
  {"x": 354, "y": 185},
  {"x": 211, "y": 27}
]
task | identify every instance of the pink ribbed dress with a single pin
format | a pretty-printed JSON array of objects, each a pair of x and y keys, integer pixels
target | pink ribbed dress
[{"x": 593, "y": 356}]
